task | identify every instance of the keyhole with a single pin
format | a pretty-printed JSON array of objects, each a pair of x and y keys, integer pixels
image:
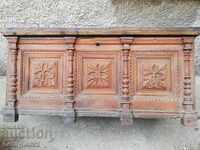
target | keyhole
[{"x": 97, "y": 44}]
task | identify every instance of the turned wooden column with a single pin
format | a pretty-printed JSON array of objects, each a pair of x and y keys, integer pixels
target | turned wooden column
[
  {"x": 69, "y": 82},
  {"x": 9, "y": 112},
  {"x": 126, "y": 115},
  {"x": 190, "y": 117}
]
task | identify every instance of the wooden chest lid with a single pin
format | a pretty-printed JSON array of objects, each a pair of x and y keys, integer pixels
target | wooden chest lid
[{"x": 113, "y": 31}]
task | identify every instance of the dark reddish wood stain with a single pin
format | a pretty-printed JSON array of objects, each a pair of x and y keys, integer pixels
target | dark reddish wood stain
[{"x": 124, "y": 73}]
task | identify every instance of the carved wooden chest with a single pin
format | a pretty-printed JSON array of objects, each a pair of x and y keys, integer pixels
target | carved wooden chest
[{"x": 109, "y": 72}]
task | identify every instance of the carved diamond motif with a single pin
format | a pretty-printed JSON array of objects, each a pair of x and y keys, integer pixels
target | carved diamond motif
[
  {"x": 45, "y": 75},
  {"x": 155, "y": 77},
  {"x": 99, "y": 75}
]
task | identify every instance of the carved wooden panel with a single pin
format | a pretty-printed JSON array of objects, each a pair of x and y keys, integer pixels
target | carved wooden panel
[
  {"x": 43, "y": 72},
  {"x": 97, "y": 80},
  {"x": 155, "y": 73},
  {"x": 99, "y": 73},
  {"x": 157, "y": 78}
]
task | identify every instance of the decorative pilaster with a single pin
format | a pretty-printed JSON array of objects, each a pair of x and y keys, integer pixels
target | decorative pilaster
[
  {"x": 10, "y": 113},
  {"x": 69, "y": 84},
  {"x": 126, "y": 115},
  {"x": 190, "y": 117}
]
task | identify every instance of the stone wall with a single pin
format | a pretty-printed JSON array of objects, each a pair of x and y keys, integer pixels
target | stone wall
[{"x": 97, "y": 13}]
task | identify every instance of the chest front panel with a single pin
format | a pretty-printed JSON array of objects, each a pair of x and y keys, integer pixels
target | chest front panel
[{"x": 155, "y": 73}]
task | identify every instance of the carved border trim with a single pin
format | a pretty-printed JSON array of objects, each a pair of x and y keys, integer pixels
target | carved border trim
[{"x": 69, "y": 82}]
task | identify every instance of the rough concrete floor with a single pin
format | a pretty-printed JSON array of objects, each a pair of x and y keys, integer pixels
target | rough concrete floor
[{"x": 50, "y": 133}]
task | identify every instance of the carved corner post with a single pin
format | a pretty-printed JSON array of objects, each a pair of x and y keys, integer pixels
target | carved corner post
[
  {"x": 126, "y": 116},
  {"x": 69, "y": 84},
  {"x": 10, "y": 112},
  {"x": 190, "y": 116}
]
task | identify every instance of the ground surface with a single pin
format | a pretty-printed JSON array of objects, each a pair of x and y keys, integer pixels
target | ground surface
[{"x": 50, "y": 133}]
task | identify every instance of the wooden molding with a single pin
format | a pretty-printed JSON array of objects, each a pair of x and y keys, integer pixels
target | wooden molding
[{"x": 171, "y": 31}]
